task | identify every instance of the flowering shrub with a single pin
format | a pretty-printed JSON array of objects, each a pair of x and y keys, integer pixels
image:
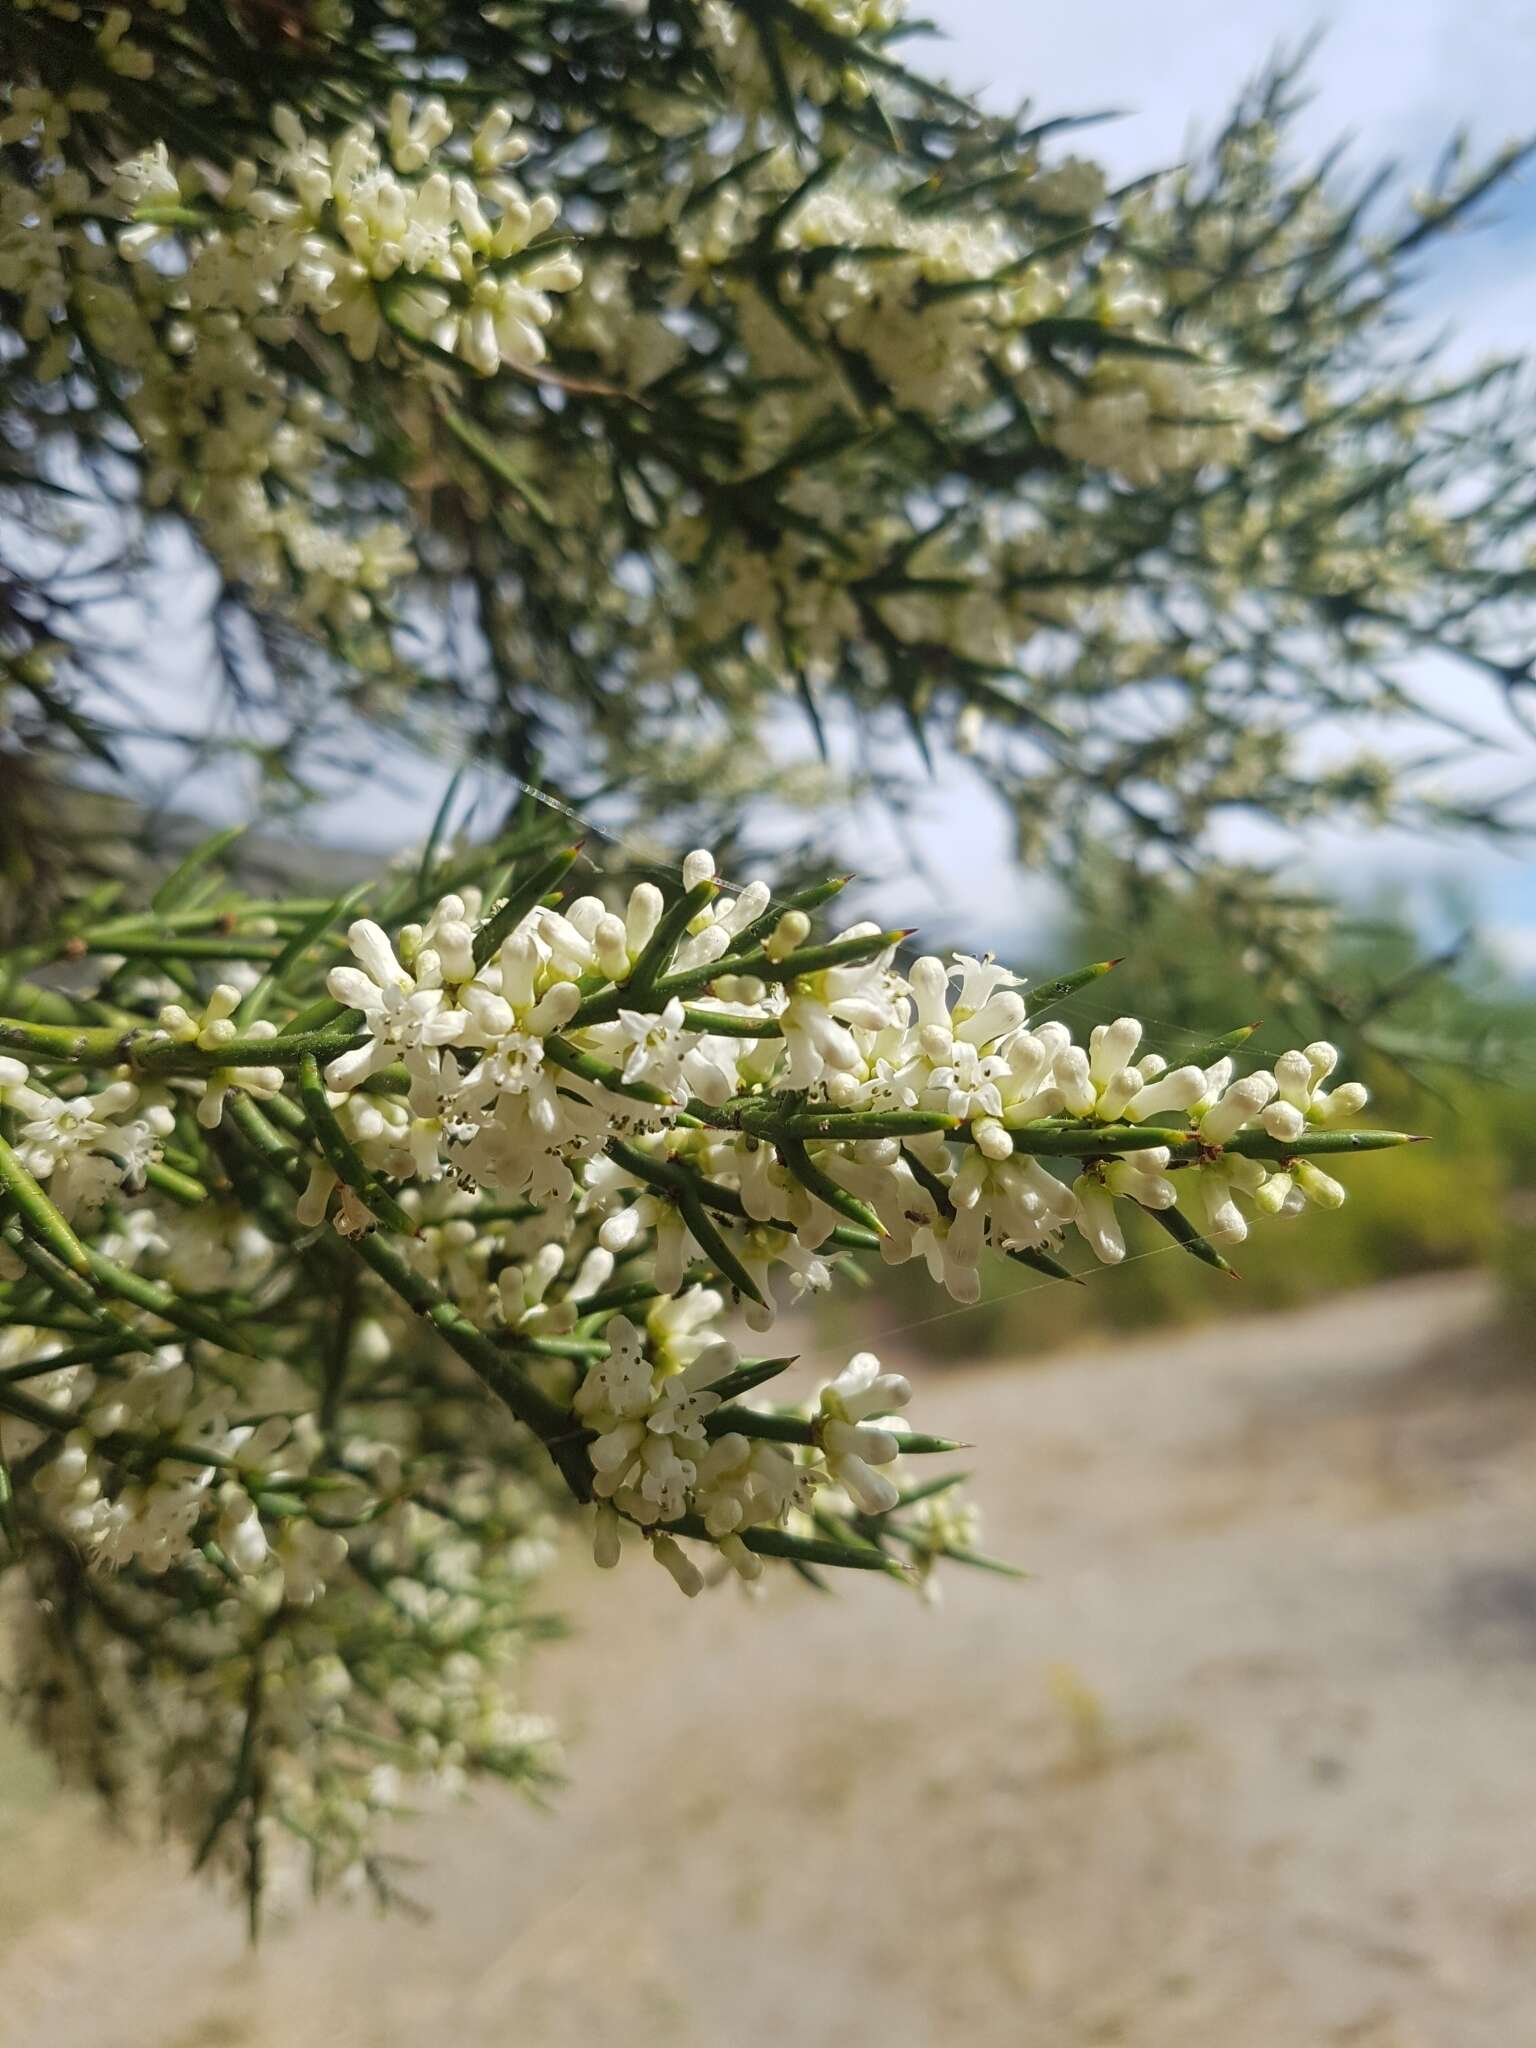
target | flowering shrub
[
  {"x": 576, "y": 382},
  {"x": 319, "y": 1308},
  {"x": 597, "y": 374}
]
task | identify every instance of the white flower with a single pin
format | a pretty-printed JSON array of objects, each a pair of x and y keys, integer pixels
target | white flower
[
  {"x": 851, "y": 1443},
  {"x": 653, "y": 1048},
  {"x": 822, "y": 1011},
  {"x": 620, "y": 1384},
  {"x": 401, "y": 1014},
  {"x": 951, "y": 1247},
  {"x": 648, "y": 1437},
  {"x": 745, "y": 1482},
  {"x": 678, "y": 1327},
  {"x": 1023, "y": 1204},
  {"x": 77, "y": 1145},
  {"x": 685, "y": 1399}
]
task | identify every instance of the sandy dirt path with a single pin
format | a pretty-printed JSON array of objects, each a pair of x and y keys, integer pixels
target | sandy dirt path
[{"x": 1250, "y": 1763}]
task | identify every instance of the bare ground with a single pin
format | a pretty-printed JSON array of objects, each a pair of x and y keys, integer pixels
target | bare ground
[{"x": 1250, "y": 1763}]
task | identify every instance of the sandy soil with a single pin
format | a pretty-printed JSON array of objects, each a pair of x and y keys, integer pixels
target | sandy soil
[{"x": 1250, "y": 1763}]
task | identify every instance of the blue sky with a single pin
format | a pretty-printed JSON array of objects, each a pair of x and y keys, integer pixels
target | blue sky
[{"x": 1398, "y": 75}]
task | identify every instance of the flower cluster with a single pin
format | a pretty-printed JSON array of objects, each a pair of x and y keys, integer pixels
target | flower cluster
[
  {"x": 401, "y": 235},
  {"x": 84, "y": 1147},
  {"x": 819, "y": 1100},
  {"x": 268, "y": 1249},
  {"x": 519, "y": 1080}
]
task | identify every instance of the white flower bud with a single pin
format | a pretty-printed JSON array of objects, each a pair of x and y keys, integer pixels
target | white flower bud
[
  {"x": 685, "y": 1573},
  {"x": 1118, "y": 1092},
  {"x": 1347, "y": 1100},
  {"x": 1238, "y": 1104},
  {"x": 1113, "y": 1046},
  {"x": 1293, "y": 1078},
  {"x": 991, "y": 1138},
  {"x": 610, "y": 944},
  {"x": 455, "y": 945},
  {"x": 622, "y": 1230},
  {"x": 1322, "y": 1058},
  {"x": 1097, "y": 1220},
  {"x": 605, "y": 1537},
  {"x": 871, "y": 1491},
  {"x": 1318, "y": 1187},
  {"x": 1139, "y": 1180},
  {"x": 1283, "y": 1120},
  {"x": 646, "y": 904},
  {"x": 1273, "y": 1197},
  {"x": 240, "y": 1534},
  {"x": 1180, "y": 1089},
  {"x": 745, "y": 1563},
  {"x": 792, "y": 930},
  {"x": 1073, "y": 1079}
]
